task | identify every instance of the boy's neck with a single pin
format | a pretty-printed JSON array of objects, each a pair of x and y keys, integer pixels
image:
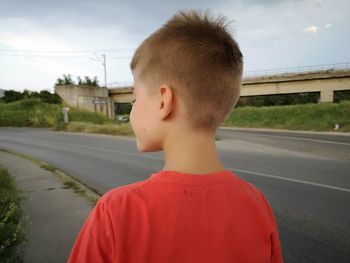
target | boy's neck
[{"x": 191, "y": 152}]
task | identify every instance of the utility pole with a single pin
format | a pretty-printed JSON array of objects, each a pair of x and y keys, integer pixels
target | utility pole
[
  {"x": 104, "y": 65},
  {"x": 103, "y": 62}
]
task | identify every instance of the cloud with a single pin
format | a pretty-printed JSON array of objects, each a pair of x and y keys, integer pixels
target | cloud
[
  {"x": 312, "y": 29},
  {"x": 22, "y": 34},
  {"x": 271, "y": 33}
]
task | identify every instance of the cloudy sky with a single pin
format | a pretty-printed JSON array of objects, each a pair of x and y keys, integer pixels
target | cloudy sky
[{"x": 40, "y": 40}]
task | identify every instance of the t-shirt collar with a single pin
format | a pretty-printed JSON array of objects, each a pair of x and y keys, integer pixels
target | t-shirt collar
[{"x": 192, "y": 179}]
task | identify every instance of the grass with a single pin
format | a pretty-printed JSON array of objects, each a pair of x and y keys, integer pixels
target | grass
[
  {"x": 312, "y": 117},
  {"x": 35, "y": 113},
  {"x": 11, "y": 220},
  {"x": 48, "y": 167},
  {"x": 29, "y": 113},
  {"x": 73, "y": 185},
  {"x": 113, "y": 129}
]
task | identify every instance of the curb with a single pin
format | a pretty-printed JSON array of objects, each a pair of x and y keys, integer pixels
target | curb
[
  {"x": 90, "y": 194},
  {"x": 286, "y": 131}
]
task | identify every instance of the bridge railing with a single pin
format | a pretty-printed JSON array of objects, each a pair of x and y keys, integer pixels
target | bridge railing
[
  {"x": 117, "y": 84},
  {"x": 265, "y": 72},
  {"x": 305, "y": 69}
]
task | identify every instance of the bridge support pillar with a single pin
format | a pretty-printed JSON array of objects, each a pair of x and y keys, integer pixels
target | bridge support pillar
[{"x": 326, "y": 96}]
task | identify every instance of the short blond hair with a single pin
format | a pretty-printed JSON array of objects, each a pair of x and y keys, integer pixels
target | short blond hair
[{"x": 199, "y": 58}]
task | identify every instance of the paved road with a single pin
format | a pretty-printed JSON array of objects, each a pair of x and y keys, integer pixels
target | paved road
[{"x": 305, "y": 177}]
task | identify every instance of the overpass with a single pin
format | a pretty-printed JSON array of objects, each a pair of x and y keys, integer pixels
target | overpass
[{"x": 324, "y": 82}]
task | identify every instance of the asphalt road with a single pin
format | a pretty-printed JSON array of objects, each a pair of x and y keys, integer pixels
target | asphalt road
[{"x": 306, "y": 177}]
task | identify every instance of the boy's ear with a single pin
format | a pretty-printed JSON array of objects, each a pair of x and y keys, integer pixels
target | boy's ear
[{"x": 166, "y": 101}]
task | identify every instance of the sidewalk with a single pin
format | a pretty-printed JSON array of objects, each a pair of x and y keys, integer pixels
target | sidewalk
[{"x": 54, "y": 214}]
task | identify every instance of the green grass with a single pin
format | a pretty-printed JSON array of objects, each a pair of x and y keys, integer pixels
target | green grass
[
  {"x": 48, "y": 167},
  {"x": 29, "y": 113},
  {"x": 35, "y": 113},
  {"x": 112, "y": 129},
  {"x": 74, "y": 186},
  {"x": 315, "y": 117},
  {"x": 11, "y": 223}
]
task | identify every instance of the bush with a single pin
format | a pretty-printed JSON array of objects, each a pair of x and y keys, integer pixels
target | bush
[
  {"x": 279, "y": 99},
  {"x": 30, "y": 113},
  {"x": 11, "y": 224},
  {"x": 44, "y": 96},
  {"x": 341, "y": 95}
]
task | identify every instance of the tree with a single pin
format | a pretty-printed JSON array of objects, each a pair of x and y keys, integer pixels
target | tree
[
  {"x": 67, "y": 80},
  {"x": 47, "y": 97},
  {"x": 12, "y": 95},
  {"x": 44, "y": 96}
]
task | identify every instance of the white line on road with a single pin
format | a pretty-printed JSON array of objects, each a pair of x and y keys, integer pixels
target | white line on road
[
  {"x": 229, "y": 168},
  {"x": 290, "y": 179},
  {"x": 293, "y": 138}
]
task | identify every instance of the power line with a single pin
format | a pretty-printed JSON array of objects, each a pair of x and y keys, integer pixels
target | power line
[
  {"x": 32, "y": 68},
  {"x": 119, "y": 57},
  {"x": 66, "y": 51},
  {"x": 55, "y": 57},
  {"x": 40, "y": 56}
]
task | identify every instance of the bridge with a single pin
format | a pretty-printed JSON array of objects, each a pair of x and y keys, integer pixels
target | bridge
[{"x": 325, "y": 81}]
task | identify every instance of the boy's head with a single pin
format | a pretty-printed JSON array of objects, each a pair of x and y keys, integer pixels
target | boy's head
[{"x": 190, "y": 71}]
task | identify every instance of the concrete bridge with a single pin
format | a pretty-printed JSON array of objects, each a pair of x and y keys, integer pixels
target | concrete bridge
[{"x": 325, "y": 82}]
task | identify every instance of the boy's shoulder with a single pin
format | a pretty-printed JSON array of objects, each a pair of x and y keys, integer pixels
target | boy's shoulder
[
  {"x": 114, "y": 195},
  {"x": 243, "y": 189}
]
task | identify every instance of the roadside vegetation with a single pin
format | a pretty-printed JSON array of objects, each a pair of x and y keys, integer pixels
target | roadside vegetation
[
  {"x": 123, "y": 129},
  {"x": 33, "y": 112},
  {"x": 293, "y": 112},
  {"x": 312, "y": 117},
  {"x": 11, "y": 220}
]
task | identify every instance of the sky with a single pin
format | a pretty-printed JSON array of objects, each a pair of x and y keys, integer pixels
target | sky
[{"x": 40, "y": 40}]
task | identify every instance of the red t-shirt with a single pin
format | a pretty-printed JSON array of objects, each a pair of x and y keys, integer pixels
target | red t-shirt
[{"x": 178, "y": 217}]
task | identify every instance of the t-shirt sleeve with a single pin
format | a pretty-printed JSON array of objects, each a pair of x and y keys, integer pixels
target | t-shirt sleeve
[
  {"x": 276, "y": 250},
  {"x": 95, "y": 242}
]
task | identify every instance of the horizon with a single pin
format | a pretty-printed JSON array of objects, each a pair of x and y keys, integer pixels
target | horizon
[{"x": 48, "y": 39}]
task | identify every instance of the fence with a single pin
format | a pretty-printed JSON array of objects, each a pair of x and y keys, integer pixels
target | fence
[{"x": 305, "y": 69}]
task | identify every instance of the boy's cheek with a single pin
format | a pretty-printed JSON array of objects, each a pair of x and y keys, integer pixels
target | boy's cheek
[{"x": 131, "y": 118}]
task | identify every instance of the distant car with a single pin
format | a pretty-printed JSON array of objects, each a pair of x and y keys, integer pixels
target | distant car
[{"x": 123, "y": 118}]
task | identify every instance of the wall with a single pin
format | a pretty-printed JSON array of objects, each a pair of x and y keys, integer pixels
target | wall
[{"x": 82, "y": 96}]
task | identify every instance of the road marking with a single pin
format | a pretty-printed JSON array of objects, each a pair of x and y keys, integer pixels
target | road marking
[
  {"x": 293, "y": 138},
  {"x": 290, "y": 179},
  {"x": 229, "y": 168}
]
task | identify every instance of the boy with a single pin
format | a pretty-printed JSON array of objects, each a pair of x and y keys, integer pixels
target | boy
[{"x": 187, "y": 78}]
